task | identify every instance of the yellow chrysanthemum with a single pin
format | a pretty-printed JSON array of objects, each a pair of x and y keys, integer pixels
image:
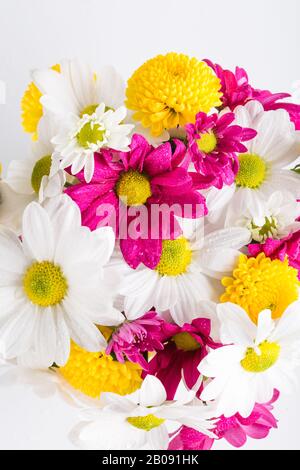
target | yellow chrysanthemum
[
  {"x": 169, "y": 90},
  {"x": 32, "y": 109},
  {"x": 260, "y": 283},
  {"x": 94, "y": 373}
]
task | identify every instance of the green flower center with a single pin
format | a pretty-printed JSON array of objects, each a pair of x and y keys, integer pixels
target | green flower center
[
  {"x": 175, "y": 258},
  {"x": 207, "y": 143},
  {"x": 90, "y": 134},
  {"x": 252, "y": 171},
  {"x": 41, "y": 168},
  {"x": 146, "y": 423},
  {"x": 133, "y": 188},
  {"x": 44, "y": 284},
  {"x": 186, "y": 342},
  {"x": 269, "y": 354},
  {"x": 268, "y": 230}
]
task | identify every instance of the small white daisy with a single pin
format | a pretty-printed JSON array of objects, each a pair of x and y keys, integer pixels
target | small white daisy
[
  {"x": 258, "y": 359},
  {"x": 186, "y": 274},
  {"x": 80, "y": 137},
  {"x": 53, "y": 285},
  {"x": 36, "y": 176},
  {"x": 276, "y": 217},
  {"x": 138, "y": 421},
  {"x": 266, "y": 166}
]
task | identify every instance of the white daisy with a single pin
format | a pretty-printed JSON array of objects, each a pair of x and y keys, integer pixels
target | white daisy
[
  {"x": 36, "y": 176},
  {"x": 186, "y": 274},
  {"x": 259, "y": 359},
  {"x": 138, "y": 421},
  {"x": 80, "y": 137},
  {"x": 265, "y": 168},
  {"x": 77, "y": 89},
  {"x": 273, "y": 218},
  {"x": 53, "y": 285}
]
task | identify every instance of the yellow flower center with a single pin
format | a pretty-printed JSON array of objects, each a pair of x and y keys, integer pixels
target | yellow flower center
[
  {"x": 32, "y": 109},
  {"x": 90, "y": 134},
  {"x": 169, "y": 90},
  {"x": 269, "y": 354},
  {"x": 133, "y": 188},
  {"x": 94, "y": 373},
  {"x": 268, "y": 230},
  {"x": 146, "y": 423},
  {"x": 252, "y": 171},
  {"x": 175, "y": 258},
  {"x": 207, "y": 143},
  {"x": 89, "y": 110},
  {"x": 260, "y": 283},
  {"x": 40, "y": 169},
  {"x": 44, "y": 284},
  {"x": 186, "y": 342}
]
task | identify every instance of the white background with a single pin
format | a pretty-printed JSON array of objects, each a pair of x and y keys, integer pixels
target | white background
[{"x": 260, "y": 35}]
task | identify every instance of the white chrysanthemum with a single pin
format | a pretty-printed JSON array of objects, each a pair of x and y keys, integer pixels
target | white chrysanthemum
[
  {"x": 139, "y": 421},
  {"x": 53, "y": 285},
  {"x": 265, "y": 168},
  {"x": 273, "y": 218},
  {"x": 80, "y": 137},
  {"x": 36, "y": 176},
  {"x": 77, "y": 89},
  {"x": 258, "y": 359},
  {"x": 186, "y": 274}
]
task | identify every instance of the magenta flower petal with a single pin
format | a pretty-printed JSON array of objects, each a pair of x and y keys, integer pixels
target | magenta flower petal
[
  {"x": 159, "y": 160},
  {"x": 139, "y": 251},
  {"x": 190, "y": 439}
]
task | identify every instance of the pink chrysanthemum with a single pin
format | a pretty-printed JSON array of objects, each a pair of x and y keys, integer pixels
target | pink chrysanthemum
[
  {"x": 144, "y": 176},
  {"x": 133, "y": 339},
  {"x": 234, "y": 86},
  {"x": 237, "y": 91},
  {"x": 184, "y": 349},
  {"x": 213, "y": 146},
  {"x": 279, "y": 249},
  {"x": 234, "y": 430}
]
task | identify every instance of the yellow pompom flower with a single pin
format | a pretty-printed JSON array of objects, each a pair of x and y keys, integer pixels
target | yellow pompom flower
[
  {"x": 260, "y": 283},
  {"x": 169, "y": 90},
  {"x": 32, "y": 110},
  {"x": 94, "y": 373}
]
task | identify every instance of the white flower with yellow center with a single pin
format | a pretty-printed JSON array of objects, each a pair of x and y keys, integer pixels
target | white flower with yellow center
[
  {"x": 77, "y": 89},
  {"x": 258, "y": 359},
  {"x": 139, "y": 421},
  {"x": 186, "y": 274},
  {"x": 79, "y": 100},
  {"x": 36, "y": 177},
  {"x": 80, "y": 137},
  {"x": 265, "y": 168},
  {"x": 274, "y": 218},
  {"x": 53, "y": 285}
]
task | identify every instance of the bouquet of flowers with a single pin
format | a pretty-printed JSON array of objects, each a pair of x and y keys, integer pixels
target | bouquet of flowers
[{"x": 150, "y": 252}]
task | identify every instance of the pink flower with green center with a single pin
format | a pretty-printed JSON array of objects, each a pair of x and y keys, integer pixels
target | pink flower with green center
[
  {"x": 143, "y": 177},
  {"x": 234, "y": 430},
  {"x": 184, "y": 349},
  {"x": 214, "y": 144}
]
